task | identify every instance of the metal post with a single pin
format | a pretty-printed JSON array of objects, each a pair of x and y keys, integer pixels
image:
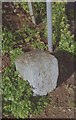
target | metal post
[
  {"x": 49, "y": 24},
  {"x": 31, "y": 12}
]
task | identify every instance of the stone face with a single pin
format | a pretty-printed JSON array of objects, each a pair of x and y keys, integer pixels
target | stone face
[{"x": 40, "y": 69}]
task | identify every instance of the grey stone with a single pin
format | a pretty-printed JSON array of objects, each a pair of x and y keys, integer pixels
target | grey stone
[{"x": 40, "y": 68}]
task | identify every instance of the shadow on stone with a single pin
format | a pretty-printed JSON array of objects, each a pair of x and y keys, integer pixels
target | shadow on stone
[{"x": 66, "y": 66}]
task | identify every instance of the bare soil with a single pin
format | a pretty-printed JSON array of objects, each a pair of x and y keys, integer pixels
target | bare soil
[{"x": 62, "y": 103}]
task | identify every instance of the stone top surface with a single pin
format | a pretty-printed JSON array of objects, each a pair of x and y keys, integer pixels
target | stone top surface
[{"x": 34, "y": 55}]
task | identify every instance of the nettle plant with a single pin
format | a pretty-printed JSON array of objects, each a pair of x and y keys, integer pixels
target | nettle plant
[{"x": 18, "y": 99}]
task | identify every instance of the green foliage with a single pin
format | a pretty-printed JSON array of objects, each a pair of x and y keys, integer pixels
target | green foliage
[
  {"x": 14, "y": 53},
  {"x": 18, "y": 98},
  {"x": 17, "y": 95},
  {"x": 61, "y": 34},
  {"x": 16, "y": 92},
  {"x": 25, "y": 6},
  {"x": 61, "y": 31},
  {"x": 7, "y": 41},
  {"x": 39, "y": 10}
]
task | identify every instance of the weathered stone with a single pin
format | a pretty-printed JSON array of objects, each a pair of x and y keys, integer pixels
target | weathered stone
[{"x": 40, "y": 68}]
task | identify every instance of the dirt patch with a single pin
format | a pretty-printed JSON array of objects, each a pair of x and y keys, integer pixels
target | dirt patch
[{"x": 62, "y": 103}]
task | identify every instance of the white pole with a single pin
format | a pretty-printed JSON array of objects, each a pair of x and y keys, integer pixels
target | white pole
[
  {"x": 49, "y": 24},
  {"x": 31, "y": 12}
]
